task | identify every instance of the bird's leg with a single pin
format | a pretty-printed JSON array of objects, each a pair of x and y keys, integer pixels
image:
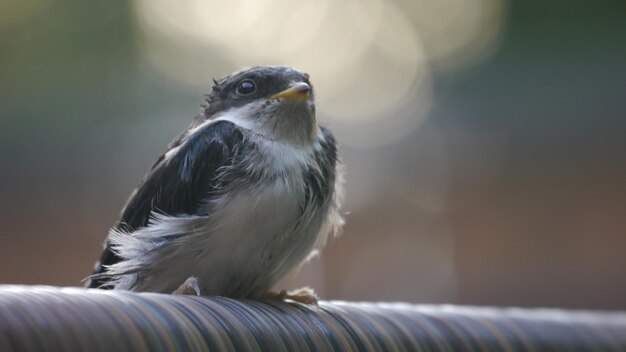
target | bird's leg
[
  {"x": 189, "y": 287},
  {"x": 304, "y": 295}
]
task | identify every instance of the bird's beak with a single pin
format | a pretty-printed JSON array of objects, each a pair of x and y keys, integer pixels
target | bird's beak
[{"x": 298, "y": 90}]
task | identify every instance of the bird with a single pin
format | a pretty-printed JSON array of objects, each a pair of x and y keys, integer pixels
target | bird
[{"x": 251, "y": 190}]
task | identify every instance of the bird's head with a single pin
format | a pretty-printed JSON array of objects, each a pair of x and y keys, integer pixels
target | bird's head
[{"x": 275, "y": 101}]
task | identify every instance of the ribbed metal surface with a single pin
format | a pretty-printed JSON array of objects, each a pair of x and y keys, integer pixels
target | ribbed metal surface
[{"x": 40, "y": 318}]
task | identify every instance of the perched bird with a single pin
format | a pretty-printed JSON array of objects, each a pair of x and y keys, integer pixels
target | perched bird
[{"x": 246, "y": 194}]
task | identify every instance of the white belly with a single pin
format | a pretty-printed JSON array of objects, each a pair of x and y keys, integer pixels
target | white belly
[{"x": 248, "y": 242}]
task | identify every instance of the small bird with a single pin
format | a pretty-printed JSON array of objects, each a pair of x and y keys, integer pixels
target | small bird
[{"x": 248, "y": 192}]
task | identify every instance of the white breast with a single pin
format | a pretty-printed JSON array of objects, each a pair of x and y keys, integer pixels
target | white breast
[{"x": 252, "y": 236}]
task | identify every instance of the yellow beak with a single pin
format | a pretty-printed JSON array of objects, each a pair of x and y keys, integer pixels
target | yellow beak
[{"x": 298, "y": 90}]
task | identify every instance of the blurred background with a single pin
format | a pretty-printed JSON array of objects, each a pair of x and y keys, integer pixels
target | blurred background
[{"x": 485, "y": 140}]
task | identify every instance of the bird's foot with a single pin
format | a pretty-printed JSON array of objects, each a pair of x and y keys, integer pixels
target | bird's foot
[
  {"x": 189, "y": 287},
  {"x": 304, "y": 295}
]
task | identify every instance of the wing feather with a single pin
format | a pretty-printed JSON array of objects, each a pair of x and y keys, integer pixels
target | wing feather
[{"x": 178, "y": 183}]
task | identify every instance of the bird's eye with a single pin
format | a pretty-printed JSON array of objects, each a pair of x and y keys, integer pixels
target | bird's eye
[{"x": 246, "y": 87}]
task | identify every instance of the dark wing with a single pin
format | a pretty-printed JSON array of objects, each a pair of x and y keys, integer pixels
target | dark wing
[
  {"x": 178, "y": 184},
  {"x": 321, "y": 180}
]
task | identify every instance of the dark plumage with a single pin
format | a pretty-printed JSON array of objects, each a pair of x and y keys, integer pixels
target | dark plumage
[{"x": 252, "y": 184}]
